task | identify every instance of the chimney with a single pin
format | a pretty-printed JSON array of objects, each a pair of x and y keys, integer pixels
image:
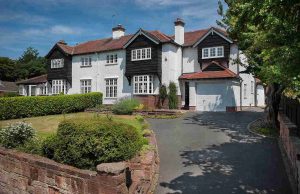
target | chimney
[
  {"x": 118, "y": 31},
  {"x": 179, "y": 31},
  {"x": 62, "y": 42}
]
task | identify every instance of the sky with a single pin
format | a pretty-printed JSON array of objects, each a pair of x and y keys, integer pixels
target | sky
[{"x": 41, "y": 23}]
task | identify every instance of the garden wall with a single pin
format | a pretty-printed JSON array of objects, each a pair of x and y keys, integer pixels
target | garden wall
[
  {"x": 26, "y": 173},
  {"x": 290, "y": 147}
]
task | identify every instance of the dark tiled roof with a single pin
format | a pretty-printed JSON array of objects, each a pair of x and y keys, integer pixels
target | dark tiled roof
[
  {"x": 109, "y": 44},
  {"x": 226, "y": 73},
  {"x": 34, "y": 80},
  {"x": 8, "y": 86}
]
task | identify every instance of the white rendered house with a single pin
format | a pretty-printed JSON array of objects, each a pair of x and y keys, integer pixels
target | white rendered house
[{"x": 200, "y": 63}]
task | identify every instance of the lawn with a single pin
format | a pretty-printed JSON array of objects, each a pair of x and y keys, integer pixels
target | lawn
[{"x": 46, "y": 125}]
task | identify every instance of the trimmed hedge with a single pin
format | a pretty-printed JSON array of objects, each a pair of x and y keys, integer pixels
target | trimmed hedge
[
  {"x": 85, "y": 143},
  {"x": 30, "y": 106}
]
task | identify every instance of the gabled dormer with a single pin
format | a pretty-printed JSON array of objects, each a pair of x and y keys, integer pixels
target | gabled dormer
[
  {"x": 144, "y": 53},
  {"x": 59, "y": 62},
  {"x": 213, "y": 46}
]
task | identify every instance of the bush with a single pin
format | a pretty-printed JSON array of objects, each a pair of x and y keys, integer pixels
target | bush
[
  {"x": 10, "y": 94},
  {"x": 32, "y": 146},
  {"x": 163, "y": 94},
  {"x": 87, "y": 143},
  {"x": 125, "y": 106},
  {"x": 29, "y": 106},
  {"x": 173, "y": 100},
  {"x": 16, "y": 134}
]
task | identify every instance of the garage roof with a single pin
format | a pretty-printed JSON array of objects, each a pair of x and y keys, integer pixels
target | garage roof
[{"x": 224, "y": 74}]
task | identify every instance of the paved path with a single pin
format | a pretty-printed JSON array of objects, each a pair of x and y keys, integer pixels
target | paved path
[{"x": 213, "y": 153}]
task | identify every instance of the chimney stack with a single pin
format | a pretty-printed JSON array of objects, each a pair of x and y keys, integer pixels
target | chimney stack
[
  {"x": 179, "y": 31},
  {"x": 118, "y": 31},
  {"x": 62, "y": 42}
]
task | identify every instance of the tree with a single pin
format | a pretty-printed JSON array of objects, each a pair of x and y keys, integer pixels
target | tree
[
  {"x": 268, "y": 34},
  {"x": 173, "y": 100},
  {"x": 163, "y": 94},
  {"x": 7, "y": 69}
]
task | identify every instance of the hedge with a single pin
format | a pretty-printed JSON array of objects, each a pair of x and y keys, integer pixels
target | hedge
[
  {"x": 29, "y": 106},
  {"x": 85, "y": 143}
]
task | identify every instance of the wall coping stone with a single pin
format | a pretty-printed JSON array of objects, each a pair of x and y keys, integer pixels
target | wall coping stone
[{"x": 112, "y": 168}]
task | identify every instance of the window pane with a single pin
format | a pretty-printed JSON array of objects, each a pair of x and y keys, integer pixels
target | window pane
[
  {"x": 138, "y": 54},
  {"x": 212, "y": 52},
  {"x": 107, "y": 58},
  {"x": 148, "y": 53},
  {"x": 220, "y": 51},
  {"x": 205, "y": 52},
  {"x": 116, "y": 58},
  {"x": 143, "y": 53},
  {"x": 90, "y": 61}
]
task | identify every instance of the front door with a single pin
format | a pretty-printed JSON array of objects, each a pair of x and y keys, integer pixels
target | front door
[{"x": 187, "y": 94}]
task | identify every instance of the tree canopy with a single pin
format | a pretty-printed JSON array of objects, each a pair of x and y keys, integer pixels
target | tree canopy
[{"x": 30, "y": 64}]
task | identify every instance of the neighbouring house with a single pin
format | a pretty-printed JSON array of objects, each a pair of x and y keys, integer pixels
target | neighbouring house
[
  {"x": 201, "y": 63},
  {"x": 35, "y": 86},
  {"x": 8, "y": 87}
]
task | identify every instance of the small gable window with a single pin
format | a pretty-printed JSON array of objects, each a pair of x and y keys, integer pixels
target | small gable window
[
  {"x": 86, "y": 62},
  {"x": 212, "y": 52},
  {"x": 112, "y": 59},
  {"x": 141, "y": 54},
  {"x": 57, "y": 63}
]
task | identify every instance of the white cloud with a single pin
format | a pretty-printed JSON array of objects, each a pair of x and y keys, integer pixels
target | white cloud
[
  {"x": 22, "y": 17},
  {"x": 155, "y": 3},
  {"x": 60, "y": 29},
  {"x": 55, "y": 30}
]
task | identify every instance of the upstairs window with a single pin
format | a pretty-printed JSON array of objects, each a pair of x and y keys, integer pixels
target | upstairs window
[
  {"x": 86, "y": 61},
  {"x": 57, "y": 63},
  {"x": 141, "y": 54},
  {"x": 213, "y": 52},
  {"x": 143, "y": 84},
  {"x": 112, "y": 59}
]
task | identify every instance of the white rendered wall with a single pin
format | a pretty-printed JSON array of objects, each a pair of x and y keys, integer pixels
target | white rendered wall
[{"x": 190, "y": 60}]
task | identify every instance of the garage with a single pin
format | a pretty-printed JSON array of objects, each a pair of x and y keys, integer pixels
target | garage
[{"x": 214, "y": 95}]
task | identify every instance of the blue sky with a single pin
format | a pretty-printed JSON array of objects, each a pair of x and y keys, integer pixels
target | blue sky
[{"x": 41, "y": 23}]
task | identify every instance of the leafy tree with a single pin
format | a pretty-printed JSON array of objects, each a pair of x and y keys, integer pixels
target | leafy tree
[
  {"x": 268, "y": 35},
  {"x": 7, "y": 69},
  {"x": 173, "y": 100},
  {"x": 30, "y": 54}
]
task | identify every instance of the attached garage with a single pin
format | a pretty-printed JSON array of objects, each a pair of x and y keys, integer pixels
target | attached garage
[{"x": 216, "y": 95}]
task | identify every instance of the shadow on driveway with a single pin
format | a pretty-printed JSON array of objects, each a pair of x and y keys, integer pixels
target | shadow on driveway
[{"x": 213, "y": 153}]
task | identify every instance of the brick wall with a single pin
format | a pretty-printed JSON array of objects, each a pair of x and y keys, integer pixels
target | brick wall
[
  {"x": 152, "y": 101},
  {"x": 25, "y": 173},
  {"x": 290, "y": 144}
]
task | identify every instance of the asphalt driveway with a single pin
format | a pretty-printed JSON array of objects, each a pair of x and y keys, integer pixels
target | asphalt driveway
[{"x": 213, "y": 153}]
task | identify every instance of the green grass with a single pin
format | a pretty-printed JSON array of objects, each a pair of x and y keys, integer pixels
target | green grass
[
  {"x": 47, "y": 125},
  {"x": 267, "y": 131}
]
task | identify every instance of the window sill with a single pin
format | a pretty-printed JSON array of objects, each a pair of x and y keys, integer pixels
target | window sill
[
  {"x": 85, "y": 66},
  {"x": 137, "y": 94},
  {"x": 212, "y": 57},
  {"x": 140, "y": 59},
  {"x": 109, "y": 64},
  {"x": 110, "y": 97}
]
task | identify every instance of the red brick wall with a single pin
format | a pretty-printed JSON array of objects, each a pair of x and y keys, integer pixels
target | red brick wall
[
  {"x": 152, "y": 101},
  {"x": 290, "y": 143},
  {"x": 26, "y": 173}
]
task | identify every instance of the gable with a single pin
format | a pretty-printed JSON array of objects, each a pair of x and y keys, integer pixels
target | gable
[
  {"x": 214, "y": 66},
  {"x": 215, "y": 33},
  {"x": 139, "y": 34}
]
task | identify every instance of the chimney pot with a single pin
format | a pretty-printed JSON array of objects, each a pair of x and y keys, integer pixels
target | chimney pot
[
  {"x": 62, "y": 42},
  {"x": 118, "y": 31}
]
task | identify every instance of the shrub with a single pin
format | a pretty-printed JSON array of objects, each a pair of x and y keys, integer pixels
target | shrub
[
  {"x": 87, "y": 143},
  {"x": 10, "y": 94},
  {"x": 32, "y": 146},
  {"x": 173, "y": 100},
  {"x": 28, "y": 106},
  {"x": 125, "y": 106},
  {"x": 163, "y": 94},
  {"x": 16, "y": 134},
  {"x": 139, "y": 118}
]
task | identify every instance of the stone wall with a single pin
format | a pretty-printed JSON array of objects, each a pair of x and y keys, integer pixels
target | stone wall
[
  {"x": 290, "y": 147},
  {"x": 25, "y": 173},
  {"x": 152, "y": 101}
]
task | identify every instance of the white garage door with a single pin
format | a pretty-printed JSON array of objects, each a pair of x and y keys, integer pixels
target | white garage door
[{"x": 214, "y": 96}]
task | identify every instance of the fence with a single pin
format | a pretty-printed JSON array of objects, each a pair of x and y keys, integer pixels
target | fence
[{"x": 291, "y": 108}]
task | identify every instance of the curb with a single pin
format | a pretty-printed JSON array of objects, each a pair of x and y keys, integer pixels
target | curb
[{"x": 255, "y": 133}]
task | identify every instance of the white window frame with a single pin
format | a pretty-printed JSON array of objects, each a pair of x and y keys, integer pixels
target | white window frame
[
  {"x": 245, "y": 91},
  {"x": 86, "y": 62},
  {"x": 59, "y": 86},
  {"x": 112, "y": 59},
  {"x": 209, "y": 51},
  {"x": 57, "y": 63},
  {"x": 143, "y": 84},
  {"x": 85, "y": 86},
  {"x": 44, "y": 89},
  {"x": 111, "y": 87},
  {"x": 141, "y": 54}
]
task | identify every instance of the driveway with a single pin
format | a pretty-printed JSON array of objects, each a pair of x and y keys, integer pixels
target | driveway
[{"x": 213, "y": 153}]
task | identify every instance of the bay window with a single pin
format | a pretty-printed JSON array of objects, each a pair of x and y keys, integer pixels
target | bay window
[
  {"x": 141, "y": 54},
  {"x": 57, "y": 63},
  {"x": 143, "y": 84}
]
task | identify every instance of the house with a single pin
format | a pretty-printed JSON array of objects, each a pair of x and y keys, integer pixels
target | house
[
  {"x": 35, "y": 86},
  {"x": 7, "y": 87},
  {"x": 200, "y": 63}
]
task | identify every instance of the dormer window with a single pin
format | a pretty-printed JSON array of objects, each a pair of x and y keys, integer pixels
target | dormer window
[
  {"x": 141, "y": 54},
  {"x": 86, "y": 62},
  {"x": 57, "y": 63},
  {"x": 213, "y": 52},
  {"x": 112, "y": 59}
]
